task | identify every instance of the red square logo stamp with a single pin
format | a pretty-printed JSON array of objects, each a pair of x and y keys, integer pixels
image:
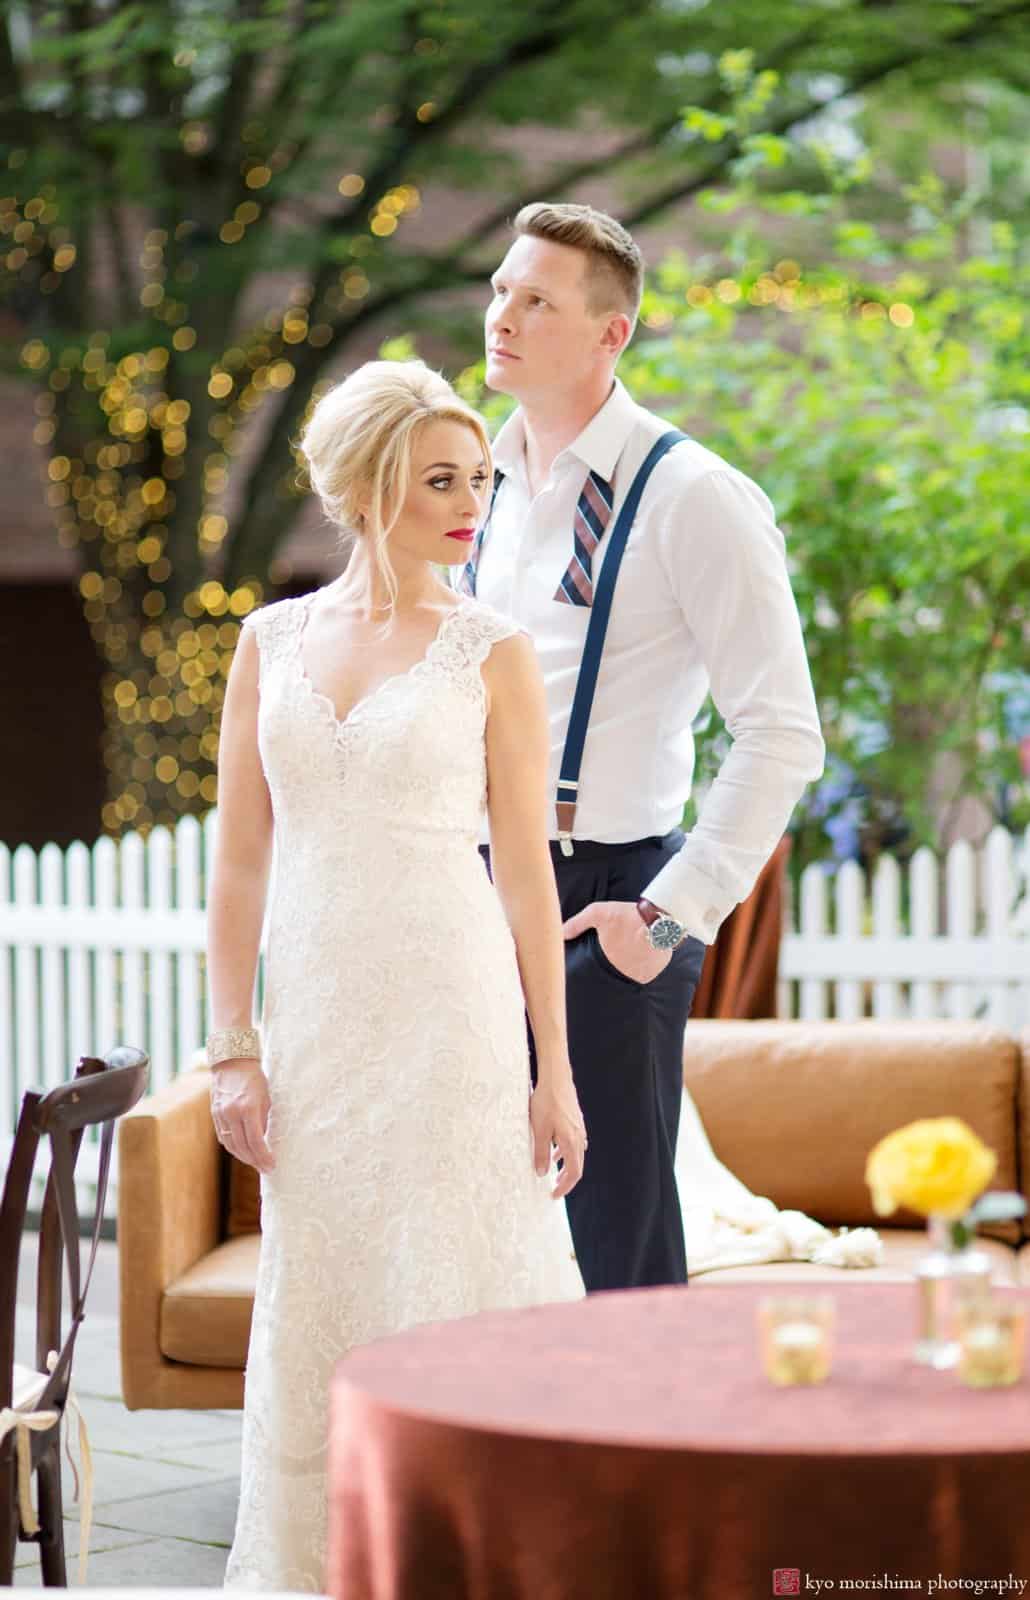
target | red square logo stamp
[{"x": 786, "y": 1580}]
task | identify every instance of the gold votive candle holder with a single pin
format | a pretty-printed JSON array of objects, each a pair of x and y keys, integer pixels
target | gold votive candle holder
[
  {"x": 796, "y": 1337},
  {"x": 992, "y": 1339}
]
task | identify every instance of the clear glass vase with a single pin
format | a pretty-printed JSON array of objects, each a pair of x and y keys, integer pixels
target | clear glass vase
[{"x": 947, "y": 1278}]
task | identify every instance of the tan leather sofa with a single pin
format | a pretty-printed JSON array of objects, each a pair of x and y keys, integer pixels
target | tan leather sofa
[{"x": 792, "y": 1108}]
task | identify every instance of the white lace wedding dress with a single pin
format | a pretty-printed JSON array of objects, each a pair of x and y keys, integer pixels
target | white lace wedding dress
[{"x": 395, "y": 1047}]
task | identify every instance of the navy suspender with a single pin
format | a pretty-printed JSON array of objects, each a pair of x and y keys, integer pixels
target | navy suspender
[
  {"x": 467, "y": 582},
  {"x": 586, "y": 683}
]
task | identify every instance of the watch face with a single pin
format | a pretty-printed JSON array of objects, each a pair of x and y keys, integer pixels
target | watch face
[{"x": 665, "y": 933}]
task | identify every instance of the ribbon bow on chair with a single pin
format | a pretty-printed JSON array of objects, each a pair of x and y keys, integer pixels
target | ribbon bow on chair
[{"x": 22, "y": 1419}]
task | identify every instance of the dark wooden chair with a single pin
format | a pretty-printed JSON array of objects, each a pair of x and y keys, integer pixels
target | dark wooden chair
[{"x": 33, "y": 1400}]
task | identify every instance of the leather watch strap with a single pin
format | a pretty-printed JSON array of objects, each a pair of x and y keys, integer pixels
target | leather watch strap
[{"x": 649, "y": 912}]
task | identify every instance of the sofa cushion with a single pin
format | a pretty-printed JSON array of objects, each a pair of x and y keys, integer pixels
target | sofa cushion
[
  {"x": 902, "y": 1248},
  {"x": 243, "y": 1211},
  {"x": 205, "y": 1314},
  {"x": 793, "y": 1108}
]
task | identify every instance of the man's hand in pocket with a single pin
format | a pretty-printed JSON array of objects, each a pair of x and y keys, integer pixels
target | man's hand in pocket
[{"x": 622, "y": 936}]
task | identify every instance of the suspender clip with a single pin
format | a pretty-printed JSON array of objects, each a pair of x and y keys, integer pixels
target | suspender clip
[{"x": 565, "y": 841}]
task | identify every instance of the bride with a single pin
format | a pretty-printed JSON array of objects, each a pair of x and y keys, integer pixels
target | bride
[{"x": 408, "y": 1171}]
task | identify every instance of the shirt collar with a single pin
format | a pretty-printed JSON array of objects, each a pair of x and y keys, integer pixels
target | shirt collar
[
  {"x": 599, "y": 446},
  {"x": 604, "y": 438},
  {"x": 509, "y": 448}
]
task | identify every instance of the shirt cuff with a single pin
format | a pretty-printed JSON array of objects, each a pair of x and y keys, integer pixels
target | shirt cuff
[{"x": 696, "y": 901}]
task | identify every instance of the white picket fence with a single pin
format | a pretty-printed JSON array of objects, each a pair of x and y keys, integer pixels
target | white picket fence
[
  {"x": 106, "y": 945},
  {"x": 101, "y": 946},
  {"x": 937, "y": 938}
]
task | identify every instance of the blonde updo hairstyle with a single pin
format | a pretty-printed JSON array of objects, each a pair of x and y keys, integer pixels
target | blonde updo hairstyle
[{"x": 357, "y": 446}]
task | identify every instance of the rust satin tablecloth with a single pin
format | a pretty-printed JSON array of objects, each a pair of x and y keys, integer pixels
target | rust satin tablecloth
[{"x": 627, "y": 1447}]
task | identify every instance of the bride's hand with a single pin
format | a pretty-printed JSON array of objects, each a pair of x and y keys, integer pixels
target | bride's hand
[
  {"x": 556, "y": 1120},
  {"x": 239, "y": 1108}
]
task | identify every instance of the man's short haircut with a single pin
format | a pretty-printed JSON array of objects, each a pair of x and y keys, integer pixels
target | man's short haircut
[{"x": 614, "y": 267}]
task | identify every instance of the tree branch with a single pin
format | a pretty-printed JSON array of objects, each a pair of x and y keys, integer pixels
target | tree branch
[
  {"x": 285, "y": 94},
  {"x": 126, "y": 303},
  {"x": 81, "y": 292},
  {"x": 411, "y": 133},
  {"x": 20, "y": 123},
  {"x": 238, "y": 188},
  {"x": 281, "y": 93},
  {"x": 163, "y": 113},
  {"x": 232, "y": 110},
  {"x": 565, "y": 178},
  {"x": 874, "y": 73}
]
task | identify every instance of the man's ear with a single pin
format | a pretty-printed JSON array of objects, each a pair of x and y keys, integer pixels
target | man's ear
[{"x": 616, "y": 334}]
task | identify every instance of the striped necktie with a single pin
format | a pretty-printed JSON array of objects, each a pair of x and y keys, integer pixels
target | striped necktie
[
  {"x": 593, "y": 510},
  {"x": 467, "y": 581}
]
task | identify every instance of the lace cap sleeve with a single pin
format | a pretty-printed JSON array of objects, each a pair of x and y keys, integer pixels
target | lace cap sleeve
[
  {"x": 485, "y": 627},
  {"x": 276, "y": 628}
]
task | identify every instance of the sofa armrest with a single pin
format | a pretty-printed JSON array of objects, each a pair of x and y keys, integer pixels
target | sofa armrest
[{"x": 169, "y": 1215}]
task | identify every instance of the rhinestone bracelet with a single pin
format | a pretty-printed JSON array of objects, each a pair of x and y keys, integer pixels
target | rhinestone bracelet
[{"x": 233, "y": 1044}]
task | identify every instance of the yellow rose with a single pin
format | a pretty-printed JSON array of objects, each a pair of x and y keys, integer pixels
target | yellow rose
[{"x": 936, "y": 1166}]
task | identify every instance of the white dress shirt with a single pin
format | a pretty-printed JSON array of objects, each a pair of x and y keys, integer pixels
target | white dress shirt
[{"x": 702, "y": 601}]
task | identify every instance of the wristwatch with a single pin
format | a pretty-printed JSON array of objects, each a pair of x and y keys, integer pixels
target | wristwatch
[{"x": 663, "y": 931}]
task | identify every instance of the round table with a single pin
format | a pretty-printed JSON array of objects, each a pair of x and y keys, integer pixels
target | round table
[{"x": 628, "y": 1447}]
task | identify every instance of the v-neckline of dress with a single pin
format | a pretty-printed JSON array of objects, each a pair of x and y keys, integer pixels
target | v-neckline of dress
[{"x": 326, "y": 700}]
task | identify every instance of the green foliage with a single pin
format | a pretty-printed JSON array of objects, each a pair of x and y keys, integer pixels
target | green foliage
[{"x": 888, "y": 423}]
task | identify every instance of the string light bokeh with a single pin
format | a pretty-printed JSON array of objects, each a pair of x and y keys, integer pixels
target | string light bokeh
[{"x": 163, "y": 623}]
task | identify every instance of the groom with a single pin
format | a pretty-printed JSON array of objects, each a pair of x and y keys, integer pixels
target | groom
[{"x": 701, "y": 600}]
